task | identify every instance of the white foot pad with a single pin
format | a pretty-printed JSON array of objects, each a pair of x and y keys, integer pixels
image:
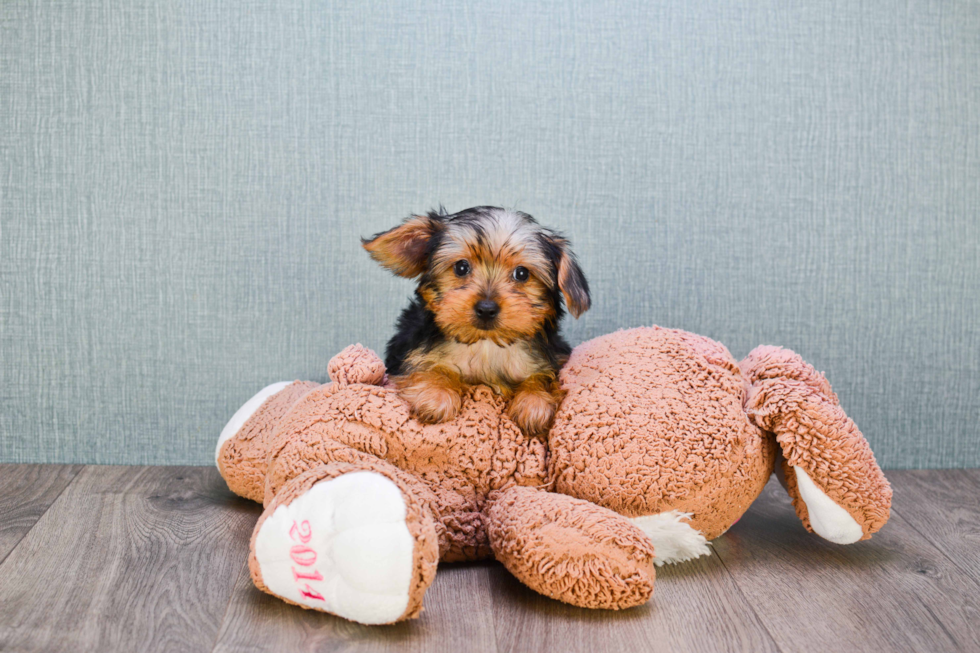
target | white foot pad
[
  {"x": 241, "y": 415},
  {"x": 343, "y": 547},
  {"x": 829, "y": 521}
]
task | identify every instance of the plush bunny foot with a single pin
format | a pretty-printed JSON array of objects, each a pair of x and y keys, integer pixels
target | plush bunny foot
[
  {"x": 570, "y": 549},
  {"x": 837, "y": 488},
  {"x": 349, "y": 541}
]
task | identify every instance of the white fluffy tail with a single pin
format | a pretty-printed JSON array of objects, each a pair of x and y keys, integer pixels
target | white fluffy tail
[{"x": 674, "y": 540}]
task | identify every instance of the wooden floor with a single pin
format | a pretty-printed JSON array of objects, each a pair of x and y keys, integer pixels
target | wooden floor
[{"x": 152, "y": 559}]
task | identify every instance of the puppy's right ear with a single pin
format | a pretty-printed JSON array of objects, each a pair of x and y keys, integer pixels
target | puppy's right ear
[{"x": 405, "y": 249}]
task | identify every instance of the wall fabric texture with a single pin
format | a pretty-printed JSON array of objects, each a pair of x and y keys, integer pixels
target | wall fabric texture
[{"x": 183, "y": 186}]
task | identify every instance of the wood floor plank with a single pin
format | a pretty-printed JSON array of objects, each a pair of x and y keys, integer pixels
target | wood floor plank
[
  {"x": 943, "y": 505},
  {"x": 457, "y": 619},
  {"x": 26, "y": 491},
  {"x": 696, "y": 607},
  {"x": 152, "y": 559},
  {"x": 127, "y": 559},
  {"x": 481, "y": 607},
  {"x": 895, "y": 592}
]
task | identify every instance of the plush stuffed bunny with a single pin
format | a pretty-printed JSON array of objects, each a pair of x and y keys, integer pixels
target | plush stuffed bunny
[{"x": 661, "y": 443}]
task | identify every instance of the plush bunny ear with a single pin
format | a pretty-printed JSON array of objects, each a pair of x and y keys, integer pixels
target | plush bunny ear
[
  {"x": 405, "y": 249},
  {"x": 571, "y": 280}
]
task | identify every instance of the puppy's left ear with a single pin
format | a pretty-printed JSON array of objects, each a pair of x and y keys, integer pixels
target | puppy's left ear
[
  {"x": 571, "y": 280},
  {"x": 405, "y": 249}
]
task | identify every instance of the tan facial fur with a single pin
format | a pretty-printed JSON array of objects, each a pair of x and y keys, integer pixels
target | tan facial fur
[{"x": 504, "y": 246}]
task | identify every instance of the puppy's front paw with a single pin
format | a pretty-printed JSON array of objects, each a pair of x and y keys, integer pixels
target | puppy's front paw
[
  {"x": 430, "y": 400},
  {"x": 532, "y": 411},
  {"x": 436, "y": 404}
]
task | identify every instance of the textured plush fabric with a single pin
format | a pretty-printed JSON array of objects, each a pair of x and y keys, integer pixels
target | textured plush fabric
[
  {"x": 657, "y": 424},
  {"x": 571, "y": 550},
  {"x": 661, "y": 399},
  {"x": 183, "y": 186},
  {"x": 462, "y": 461},
  {"x": 359, "y": 422},
  {"x": 242, "y": 461},
  {"x": 357, "y": 364}
]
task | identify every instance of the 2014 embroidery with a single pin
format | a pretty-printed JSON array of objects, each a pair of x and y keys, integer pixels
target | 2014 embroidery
[{"x": 304, "y": 556}]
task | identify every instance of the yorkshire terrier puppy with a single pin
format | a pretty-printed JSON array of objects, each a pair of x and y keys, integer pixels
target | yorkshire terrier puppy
[{"x": 486, "y": 311}]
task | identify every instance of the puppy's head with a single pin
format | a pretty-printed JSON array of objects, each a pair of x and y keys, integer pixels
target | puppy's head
[{"x": 485, "y": 273}]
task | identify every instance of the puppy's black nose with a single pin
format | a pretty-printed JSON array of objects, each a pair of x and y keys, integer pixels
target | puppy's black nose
[{"x": 486, "y": 309}]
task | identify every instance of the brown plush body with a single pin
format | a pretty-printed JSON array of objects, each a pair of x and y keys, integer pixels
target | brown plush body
[{"x": 657, "y": 426}]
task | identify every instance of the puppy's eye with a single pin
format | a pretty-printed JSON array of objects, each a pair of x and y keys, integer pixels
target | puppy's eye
[
  {"x": 461, "y": 268},
  {"x": 521, "y": 273}
]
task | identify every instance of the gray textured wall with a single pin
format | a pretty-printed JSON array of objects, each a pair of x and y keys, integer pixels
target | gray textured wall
[{"x": 183, "y": 185}]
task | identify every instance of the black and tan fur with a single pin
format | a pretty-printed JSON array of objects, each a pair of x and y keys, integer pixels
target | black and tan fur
[{"x": 486, "y": 311}]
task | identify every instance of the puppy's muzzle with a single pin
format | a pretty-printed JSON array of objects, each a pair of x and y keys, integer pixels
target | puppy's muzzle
[{"x": 486, "y": 311}]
